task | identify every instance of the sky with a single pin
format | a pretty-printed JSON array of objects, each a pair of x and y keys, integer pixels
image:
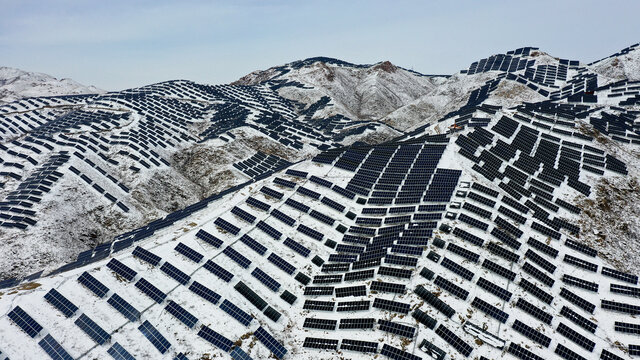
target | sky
[{"x": 118, "y": 44}]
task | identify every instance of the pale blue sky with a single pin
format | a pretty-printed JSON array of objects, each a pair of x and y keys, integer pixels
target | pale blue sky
[{"x": 115, "y": 44}]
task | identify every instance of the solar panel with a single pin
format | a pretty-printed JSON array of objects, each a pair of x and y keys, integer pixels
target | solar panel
[
  {"x": 117, "y": 352},
  {"x": 154, "y": 337},
  {"x": 270, "y": 342},
  {"x": 237, "y": 257},
  {"x": 285, "y": 183},
  {"x": 320, "y": 181},
  {"x": 575, "y": 336},
  {"x": 297, "y": 247},
  {"x": 453, "y": 340},
  {"x": 318, "y": 291},
  {"x": 424, "y": 318},
  {"x": 464, "y": 235},
  {"x": 359, "y": 346},
  {"x": 360, "y": 290},
  {"x": 357, "y": 323},
  {"x": 627, "y": 328},
  {"x": 332, "y": 204},
  {"x": 633, "y": 279},
  {"x": 272, "y": 193},
  {"x": 320, "y": 343},
  {"x": 538, "y": 274},
  {"x": 302, "y": 278},
  {"x": 490, "y": 310},
  {"x": 236, "y": 312},
  {"x": 621, "y": 307},
  {"x": 288, "y": 297},
  {"x": 123, "y": 307},
  {"x": 327, "y": 279},
  {"x": 577, "y": 300},
  {"x": 66, "y": 307},
  {"x": 175, "y": 273},
  {"x": 283, "y": 217},
  {"x": 531, "y": 333},
  {"x": 607, "y": 355},
  {"x": 306, "y": 192},
  {"x": 253, "y": 244},
  {"x": 281, "y": 263},
  {"x": 499, "y": 270},
  {"x": 542, "y": 262},
  {"x": 451, "y": 287},
  {"x": 581, "y": 283},
  {"x": 239, "y": 354},
  {"x": 244, "y": 215},
  {"x": 146, "y": 255},
  {"x": 626, "y": 290},
  {"x": 353, "y": 306},
  {"x": 395, "y": 328},
  {"x": 181, "y": 314},
  {"x": 319, "y": 305},
  {"x": 258, "y": 204},
  {"x": 539, "y": 245},
  {"x": 53, "y": 348},
  {"x": 267, "y": 280},
  {"x": 457, "y": 269},
  {"x": 181, "y": 356},
  {"x": 580, "y": 263},
  {"x": 322, "y": 324},
  {"x": 322, "y": 217},
  {"x": 151, "y": 291},
  {"x": 250, "y": 295},
  {"x": 215, "y": 338},
  {"x": 566, "y": 353},
  {"x": 522, "y": 353},
  {"x": 92, "y": 329},
  {"x": 269, "y": 230},
  {"x": 571, "y": 244},
  {"x": 502, "y": 252},
  {"x": 121, "y": 269},
  {"x": 458, "y": 250},
  {"x": 536, "y": 291},
  {"x": 93, "y": 284},
  {"x": 227, "y": 226},
  {"x": 578, "y": 319},
  {"x": 395, "y": 272},
  {"x": 297, "y": 205},
  {"x": 397, "y": 354},
  {"x": 391, "y": 305},
  {"x": 434, "y": 301},
  {"x": 473, "y": 222},
  {"x": 189, "y": 253},
  {"x": 534, "y": 311},
  {"x": 218, "y": 271},
  {"x": 208, "y": 238},
  {"x": 310, "y": 232},
  {"x": 24, "y": 321},
  {"x": 494, "y": 289}
]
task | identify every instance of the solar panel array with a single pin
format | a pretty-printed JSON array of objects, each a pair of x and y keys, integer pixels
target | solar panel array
[{"x": 489, "y": 242}]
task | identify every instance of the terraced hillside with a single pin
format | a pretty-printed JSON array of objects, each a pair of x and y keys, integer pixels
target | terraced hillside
[{"x": 472, "y": 235}]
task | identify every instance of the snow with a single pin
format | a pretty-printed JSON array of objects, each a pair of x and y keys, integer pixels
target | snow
[
  {"x": 16, "y": 84},
  {"x": 380, "y": 93}
]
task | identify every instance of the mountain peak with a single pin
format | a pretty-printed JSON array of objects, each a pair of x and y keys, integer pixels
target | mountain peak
[
  {"x": 16, "y": 84},
  {"x": 386, "y": 66}
]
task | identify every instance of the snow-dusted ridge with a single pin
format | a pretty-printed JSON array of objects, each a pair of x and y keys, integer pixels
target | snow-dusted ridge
[
  {"x": 16, "y": 84},
  {"x": 466, "y": 229}
]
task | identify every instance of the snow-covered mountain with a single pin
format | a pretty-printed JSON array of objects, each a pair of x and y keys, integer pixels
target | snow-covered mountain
[
  {"x": 322, "y": 209},
  {"x": 16, "y": 84}
]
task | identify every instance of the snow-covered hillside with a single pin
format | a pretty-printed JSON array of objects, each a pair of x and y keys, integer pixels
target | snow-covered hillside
[
  {"x": 16, "y": 84},
  {"x": 322, "y": 209}
]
